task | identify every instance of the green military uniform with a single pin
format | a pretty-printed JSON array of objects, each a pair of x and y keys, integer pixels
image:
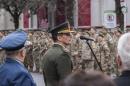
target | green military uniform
[{"x": 56, "y": 64}]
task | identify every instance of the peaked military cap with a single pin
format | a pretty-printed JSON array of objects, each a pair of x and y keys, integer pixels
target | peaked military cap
[
  {"x": 13, "y": 41},
  {"x": 62, "y": 28}
]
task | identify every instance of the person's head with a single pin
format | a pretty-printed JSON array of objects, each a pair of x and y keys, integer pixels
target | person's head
[
  {"x": 104, "y": 31},
  {"x": 100, "y": 37},
  {"x": 14, "y": 45},
  {"x": 123, "y": 51},
  {"x": 62, "y": 33},
  {"x": 118, "y": 33},
  {"x": 93, "y": 31},
  {"x": 87, "y": 79}
]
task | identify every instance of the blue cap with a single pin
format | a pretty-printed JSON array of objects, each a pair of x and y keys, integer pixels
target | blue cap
[{"x": 13, "y": 41}]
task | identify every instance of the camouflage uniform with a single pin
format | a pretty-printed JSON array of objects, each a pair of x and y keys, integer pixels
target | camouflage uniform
[
  {"x": 111, "y": 42},
  {"x": 36, "y": 51},
  {"x": 28, "y": 62},
  {"x": 86, "y": 54},
  {"x": 45, "y": 43},
  {"x": 103, "y": 56},
  {"x": 75, "y": 52},
  {"x": 114, "y": 51},
  {"x": 2, "y": 56},
  {"x": 41, "y": 42},
  {"x": 2, "y": 52},
  {"x": 87, "y": 58}
]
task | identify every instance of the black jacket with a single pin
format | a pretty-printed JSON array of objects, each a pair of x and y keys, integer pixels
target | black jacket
[{"x": 123, "y": 79}]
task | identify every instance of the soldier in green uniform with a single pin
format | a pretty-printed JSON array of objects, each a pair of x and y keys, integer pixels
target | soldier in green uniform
[{"x": 56, "y": 63}]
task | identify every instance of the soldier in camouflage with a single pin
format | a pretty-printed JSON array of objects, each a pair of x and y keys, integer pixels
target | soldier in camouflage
[
  {"x": 28, "y": 62},
  {"x": 36, "y": 50},
  {"x": 86, "y": 54},
  {"x": 2, "y": 52},
  {"x": 103, "y": 54},
  {"x": 75, "y": 52}
]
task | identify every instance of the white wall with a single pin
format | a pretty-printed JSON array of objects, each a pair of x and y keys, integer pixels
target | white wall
[
  {"x": 2, "y": 19},
  {"x": 9, "y": 25},
  {"x": 128, "y": 13},
  {"x": 96, "y": 13},
  {"x": 21, "y": 21},
  {"x": 109, "y": 4},
  {"x": 98, "y": 7}
]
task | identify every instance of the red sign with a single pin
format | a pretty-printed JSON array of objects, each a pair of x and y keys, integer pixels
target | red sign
[
  {"x": 84, "y": 12},
  {"x": 41, "y": 17}
]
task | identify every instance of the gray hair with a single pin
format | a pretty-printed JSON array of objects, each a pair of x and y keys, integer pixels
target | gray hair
[{"x": 123, "y": 49}]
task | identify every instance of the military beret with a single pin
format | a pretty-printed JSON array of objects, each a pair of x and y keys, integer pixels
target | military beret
[
  {"x": 62, "y": 28},
  {"x": 13, "y": 41}
]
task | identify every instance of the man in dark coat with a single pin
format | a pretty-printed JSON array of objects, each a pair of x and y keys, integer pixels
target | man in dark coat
[
  {"x": 123, "y": 60},
  {"x": 56, "y": 62},
  {"x": 13, "y": 72}
]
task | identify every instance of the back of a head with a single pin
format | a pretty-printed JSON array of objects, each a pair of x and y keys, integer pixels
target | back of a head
[
  {"x": 123, "y": 49},
  {"x": 87, "y": 79}
]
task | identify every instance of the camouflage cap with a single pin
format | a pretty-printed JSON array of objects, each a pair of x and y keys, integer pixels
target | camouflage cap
[{"x": 101, "y": 34}]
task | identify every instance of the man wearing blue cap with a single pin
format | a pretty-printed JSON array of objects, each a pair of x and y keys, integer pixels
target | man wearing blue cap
[
  {"x": 13, "y": 72},
  {"x": 56, "y": 62}
]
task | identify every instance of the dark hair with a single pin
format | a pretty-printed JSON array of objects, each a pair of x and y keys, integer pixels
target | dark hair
[
  {"x": 87, "y": 79},
  {"x": 54, "y": 37}
]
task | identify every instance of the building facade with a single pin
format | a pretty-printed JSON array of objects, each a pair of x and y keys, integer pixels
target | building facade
[{"x": 86, "y": 14}]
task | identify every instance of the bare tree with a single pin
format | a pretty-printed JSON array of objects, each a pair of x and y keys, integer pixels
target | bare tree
[
  {"x": 69, "y": 10},
  {"x": 16, "y": 7},
  {"x": 120, "y": 15}
]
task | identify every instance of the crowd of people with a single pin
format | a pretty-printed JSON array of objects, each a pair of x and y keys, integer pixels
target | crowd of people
[
  {"x": 64, "y": 58},
  {"x": 104, "y": 46}
]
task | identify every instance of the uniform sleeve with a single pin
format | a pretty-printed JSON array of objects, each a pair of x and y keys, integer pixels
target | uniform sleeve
[
  {"x": 64, "y": 66},
  {"x": 24, "y": 80},
  {"x": 106, "y": 49}
]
